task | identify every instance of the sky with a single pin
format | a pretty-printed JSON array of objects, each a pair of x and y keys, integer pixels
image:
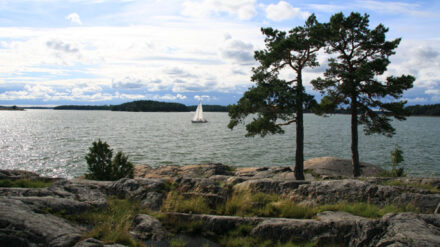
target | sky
[{"x": 113, "y": 51}]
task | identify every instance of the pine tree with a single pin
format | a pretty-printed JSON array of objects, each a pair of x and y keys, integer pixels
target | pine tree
[
  {"x": 273, "y": 98},
  {"x": 361, "y": 55}
]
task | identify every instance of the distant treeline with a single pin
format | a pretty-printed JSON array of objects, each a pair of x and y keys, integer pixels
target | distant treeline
[
  {"x": 212, "y": 108},
  {"x": 150, "y": 106},
  {"x": 145, "y": 106},
  {"x": 11, "y": 108},
  {"x": 424, "y": 110},
  {"x": 83, "y": 107}
]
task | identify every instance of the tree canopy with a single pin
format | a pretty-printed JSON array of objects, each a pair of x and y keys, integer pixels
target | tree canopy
[
  {"x": 360, "y": 57},
  {"x": 273, "y": 99}
]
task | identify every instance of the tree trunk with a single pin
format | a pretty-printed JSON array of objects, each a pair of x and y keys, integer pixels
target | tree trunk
[
  {"x": 299, "y": 156},
  {"x": 354, "y": 138}
]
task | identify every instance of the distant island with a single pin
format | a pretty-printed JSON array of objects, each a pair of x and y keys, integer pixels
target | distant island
[
  {"x": 11, "y": 108},
  {"x": 150, "y": 106},
  {"x": 83, "y": 107},
  {"x": 210, "y": 108},
  {"x": 145, "y": 106},
  {"x": 424, "y": 110},
  {"x": 157, "y": 106}
]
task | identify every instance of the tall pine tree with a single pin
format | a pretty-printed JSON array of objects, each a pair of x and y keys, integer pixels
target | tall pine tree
[
  {"x": 360, "y": 56},
  {"x": 273, "y": 98}
]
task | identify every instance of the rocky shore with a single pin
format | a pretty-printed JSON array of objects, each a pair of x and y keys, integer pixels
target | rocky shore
[{"x": 42, "y": 216}]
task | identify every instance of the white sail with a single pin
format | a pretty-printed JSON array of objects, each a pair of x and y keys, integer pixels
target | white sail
[{"x": 198, "y": 116}]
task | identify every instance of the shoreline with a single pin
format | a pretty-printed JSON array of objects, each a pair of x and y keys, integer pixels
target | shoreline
[{"x": 217, "y": 205}]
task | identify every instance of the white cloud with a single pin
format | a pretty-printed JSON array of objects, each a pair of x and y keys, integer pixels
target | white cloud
[
  {"x": 243, "y": 9},
  {"x": 433, "y": 91},
  {"x": 238, "y": 51},
  {"x": 391, "y": 7},
  {"x": 61, "y": 46},
  {"x": 74, "y": 18},
  {"x": 202, "y": 97},
  {"x": 416, "y": 100},
  {"x": 169, "y": 97},
  {"x": 283, "y": 11}
]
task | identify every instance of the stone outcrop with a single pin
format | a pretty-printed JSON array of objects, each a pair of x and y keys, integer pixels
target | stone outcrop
[
  {"x": 350, "y": 190},
  {"x": 21, "y": 226},
  {"x": 26, "y": 219},
  {"x": 331, "y": 167},
  {"x": 146, "y": 227}
]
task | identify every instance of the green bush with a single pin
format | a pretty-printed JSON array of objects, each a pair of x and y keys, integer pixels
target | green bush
[
  {"x": 101, "y": 166},
  {"x": 396, "y": 159}
]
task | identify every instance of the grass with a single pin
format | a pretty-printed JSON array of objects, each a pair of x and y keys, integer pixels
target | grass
[
  {"x": 272, "y": 205},
  {"x": 175, "y": 202},
  {"x": 262, "y": 204},
  {"x": 112, "y": 223},
  {"x": 399, "y": 183},
  {"x": 394, "y": 173},
  {"x": 24, "y": 183},
  {"x": 363, "y": 209},
  {"x": 178, "y": 242},
  {"x": 236, "y": 237}
]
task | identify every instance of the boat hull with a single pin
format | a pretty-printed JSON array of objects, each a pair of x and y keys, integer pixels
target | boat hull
[{"x": 199, "y": 121}]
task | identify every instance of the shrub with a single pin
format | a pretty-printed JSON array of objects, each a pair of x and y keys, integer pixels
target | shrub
[
  {"x": 24, "y": 183},
  {"x": 101, "y": 166},
  {"x": 112, "y": 223}
]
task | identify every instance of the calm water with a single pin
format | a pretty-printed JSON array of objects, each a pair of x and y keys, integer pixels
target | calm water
[{"x": 54, "y": 143}]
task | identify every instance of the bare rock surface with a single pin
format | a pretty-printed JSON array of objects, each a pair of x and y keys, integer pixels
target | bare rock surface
[
  {"x": 146, "y": 228},
  {"x": 23, "y": 227},
  {"x": 351, "y": 190},
  {"x": 24, "y": 219},
  {"x": 218, "y": 224},
  {"x": 331, "y": 167}
]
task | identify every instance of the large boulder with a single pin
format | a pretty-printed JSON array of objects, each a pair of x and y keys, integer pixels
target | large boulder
[
  {"x": 145, "y": 228},
  {"x": 172, "y": 172},
  {"x": 405, "y": 229},
  {"x": 218, "y": 224},
  {"x": 351, "y": 190},
  {"x": 331, "y": 167},
  {"x": 331, "y": 228},
  {"x": 267, "y": 185},
  {"x": 20, "y": 225}
]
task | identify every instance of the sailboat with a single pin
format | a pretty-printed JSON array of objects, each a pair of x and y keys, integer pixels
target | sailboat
[{"x": 198, "y": 117}]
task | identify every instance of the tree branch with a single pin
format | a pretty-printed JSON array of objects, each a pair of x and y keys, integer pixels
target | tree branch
[{"x": 287, "y": 123}]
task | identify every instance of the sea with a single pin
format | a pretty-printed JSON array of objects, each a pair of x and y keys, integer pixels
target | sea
[{"x": 55, "y": 142}]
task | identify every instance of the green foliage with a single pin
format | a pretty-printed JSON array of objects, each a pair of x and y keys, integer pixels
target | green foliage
[
  {"x": 178, "y": 242},
  {"x": 24, "y": 183},
  {"x": 82, "y": 107},
  {"x": 101, "y": 166},
  {"x": 178, "y": 225},
  {"x": 112, "y": 223},
  {"x": 260, "y": 204},
  {"x": 210, "y": 108},
  {"x": 272, "y": 99},
  {"x": 396, "y": 159},
  {"x": 362, "y": 56},
  {"x": 367, "y": 210},
  {"x": 424, "y": 110},
  {"x": 175, "y": 202},
  {"x": 121, "y": 166},
  {"x": 265, "y": 205},
  {"x": 396, "y": 156}
]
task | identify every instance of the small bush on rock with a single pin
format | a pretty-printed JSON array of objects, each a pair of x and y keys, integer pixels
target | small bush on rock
[
  {"x": 101, "y": 166},
  {"x": 396, "y": 169}
]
